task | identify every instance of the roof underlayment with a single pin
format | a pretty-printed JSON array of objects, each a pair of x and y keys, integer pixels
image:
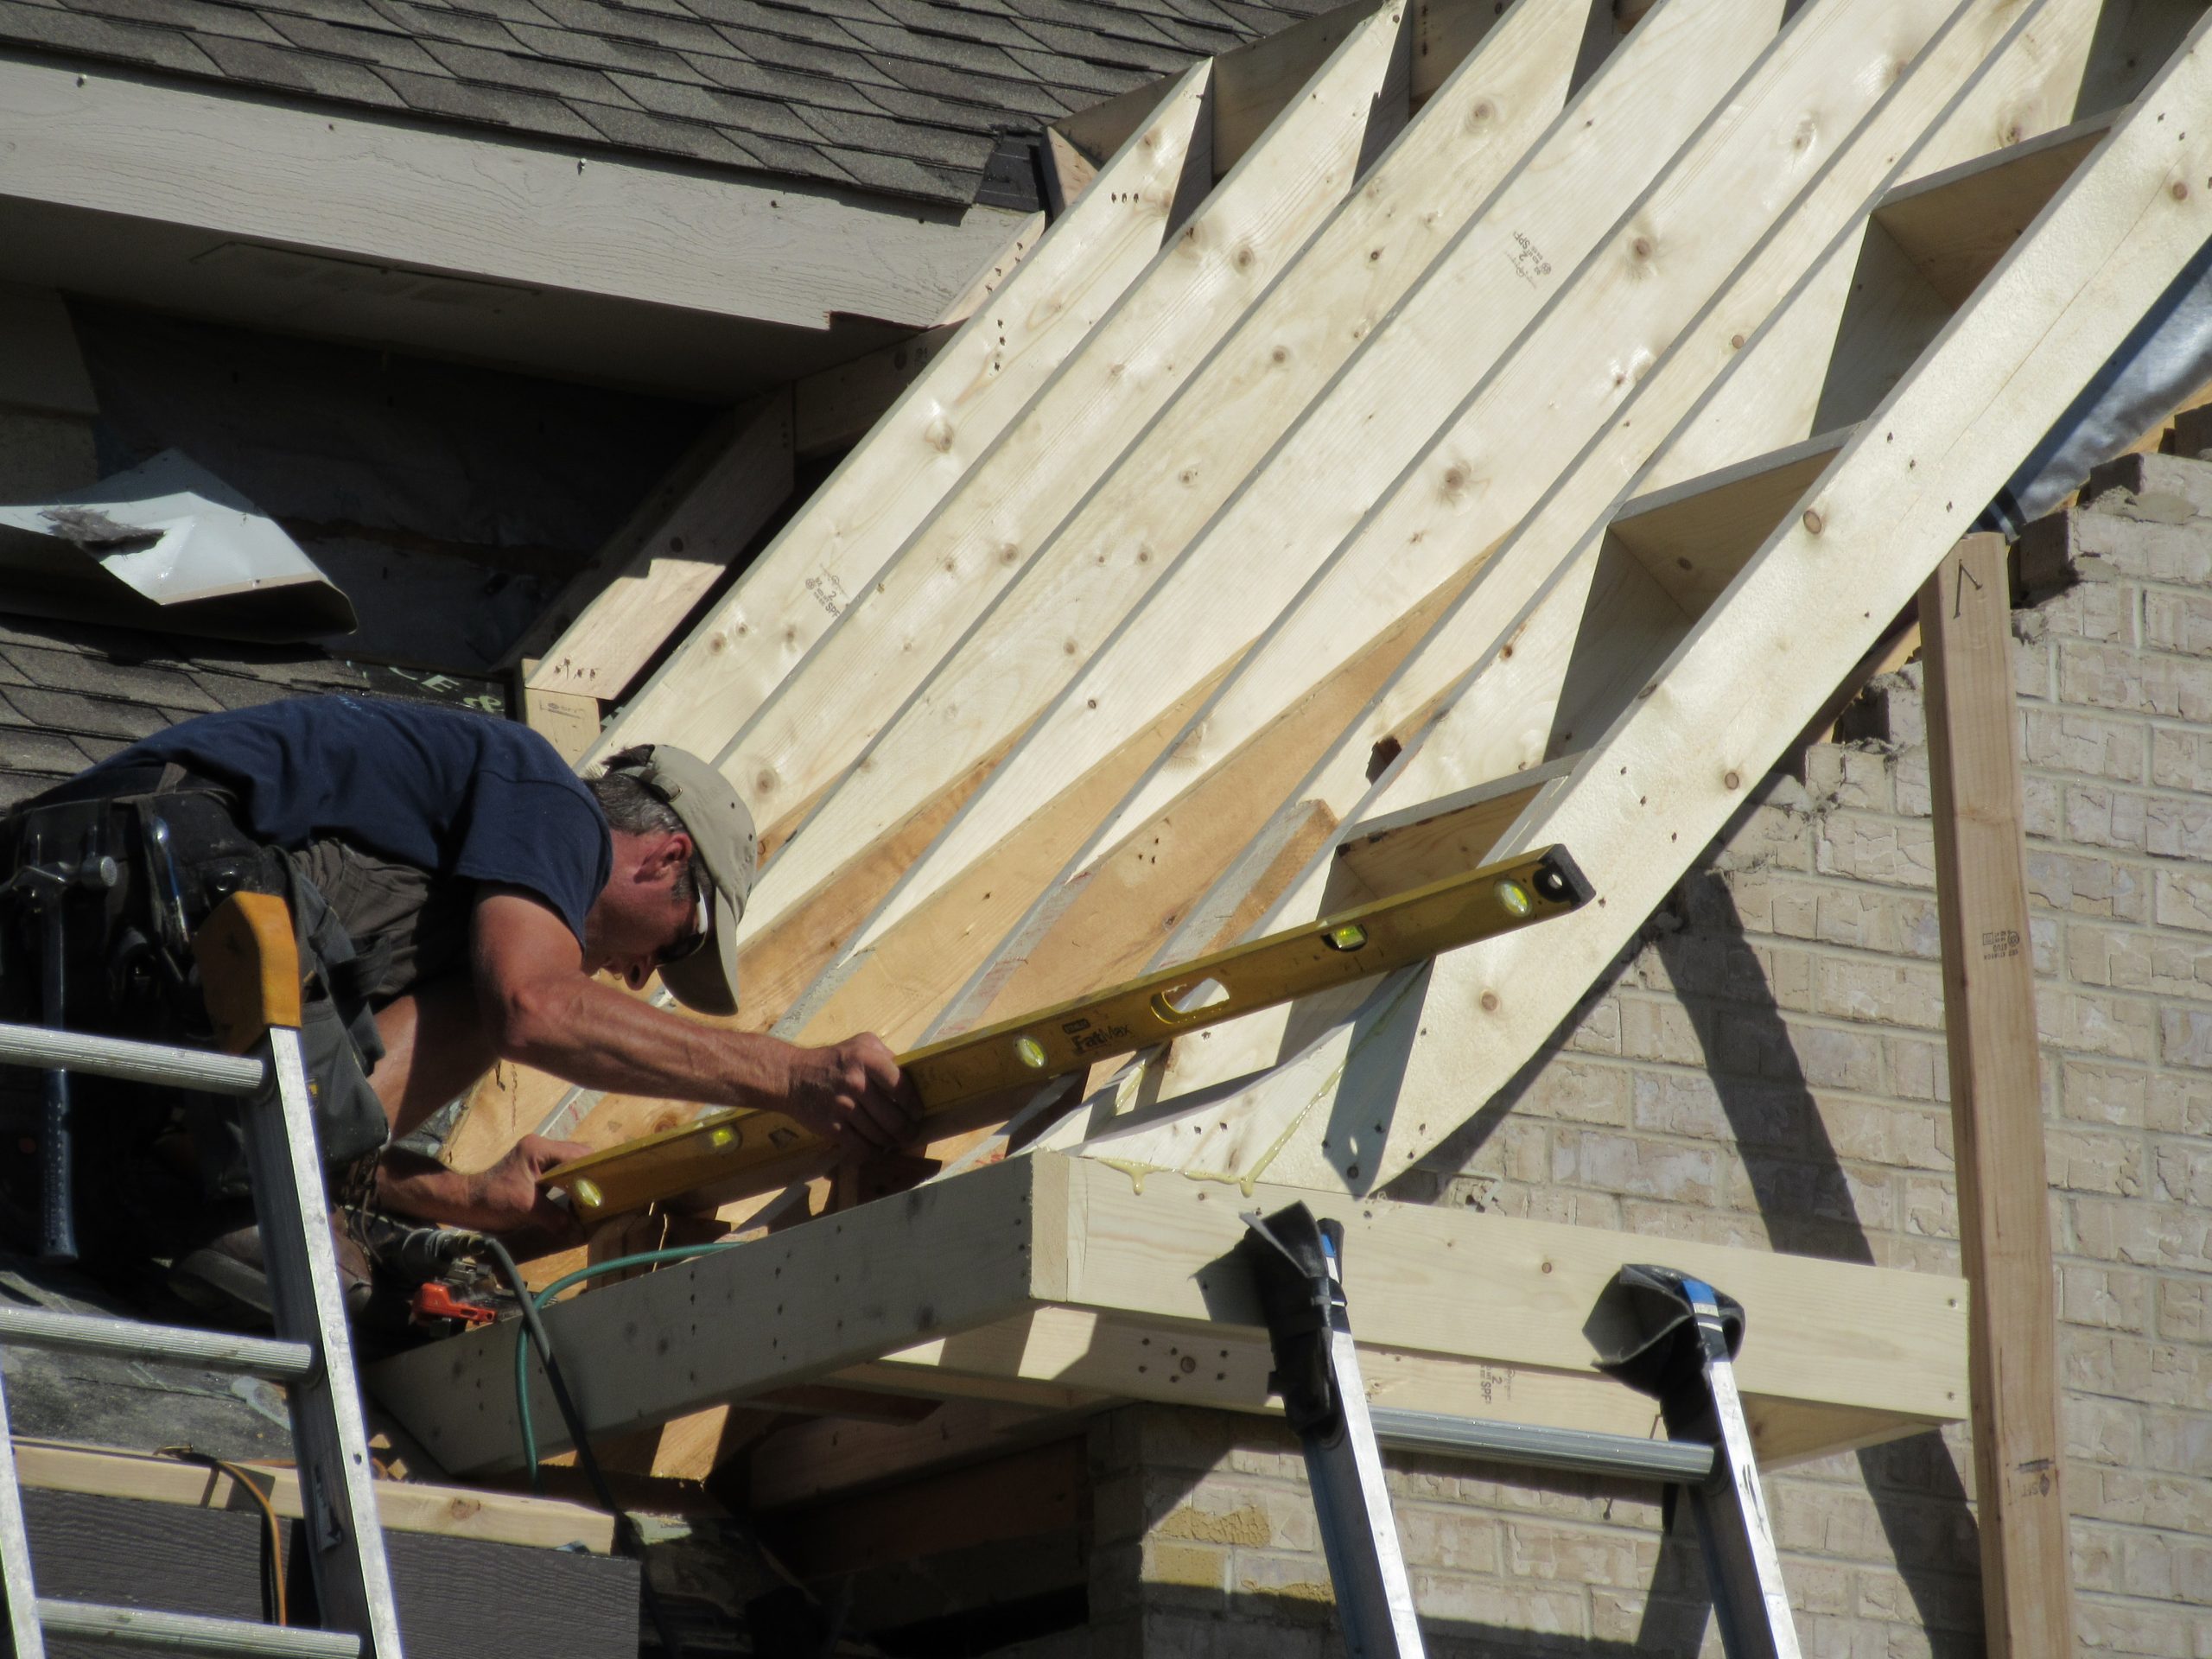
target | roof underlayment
[{"x": 1526, "y": 459}]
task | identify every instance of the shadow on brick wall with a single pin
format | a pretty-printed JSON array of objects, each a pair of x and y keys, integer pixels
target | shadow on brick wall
[
  {"x": 1802, "y": 1198},
  {"x": 1798, "y": 1183}
]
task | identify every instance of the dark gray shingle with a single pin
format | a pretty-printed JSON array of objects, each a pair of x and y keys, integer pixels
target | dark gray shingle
[{"x": 911, "y": 98}]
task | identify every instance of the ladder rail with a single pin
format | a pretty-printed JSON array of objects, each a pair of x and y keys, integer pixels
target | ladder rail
[
  {"x": 213, "y": 1351},
  {"x": 1298, "y": 1273},
  {"x": 1572, "y": 1451},
  {"x": 143, "y": 1630},
  {"x": 330, "y": 1434},
  {"x": 48, "y": 1050},
  {"x": 250, "y": 970}
]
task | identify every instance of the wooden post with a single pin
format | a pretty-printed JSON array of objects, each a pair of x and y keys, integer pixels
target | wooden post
[{"x": 1989, "y": 1018}]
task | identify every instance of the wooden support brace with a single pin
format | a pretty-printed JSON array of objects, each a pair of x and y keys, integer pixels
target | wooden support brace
[
  {"x": 1989, "y": 1020},
  {"x": 1053, "y": 1281}
]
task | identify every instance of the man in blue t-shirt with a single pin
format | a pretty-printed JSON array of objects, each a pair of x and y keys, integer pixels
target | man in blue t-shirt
[{"x": 457, "y": 891}]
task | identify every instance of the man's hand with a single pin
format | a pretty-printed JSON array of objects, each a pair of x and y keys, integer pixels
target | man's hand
[
  {"x": 851, "y": 1094},
  {"x": 503, "y": 1198},
  {"x": 506, "y": 1197}
]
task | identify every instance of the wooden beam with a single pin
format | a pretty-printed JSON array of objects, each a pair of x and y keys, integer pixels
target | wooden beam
[
  {"x": 1068, "y": 171},
  {"x": 802, "y": 1304},
  {"x": 1532, "y": 412},
  {"x": 834, "y": 409},
  {"x": 1394, "y": 852},
  {"x": 1060, "y": 1273},
  {"x": 1955, "y": 225},
  {"x": 1256, "y": 85},
  {"x": 1222, "y": 528},
  {"x": 988, "y": 531},
  {"x": 1693, "y": 538},
  {"x": 567, "y": 720},
  {"x": 529, "y": 211},
  {"x": 831, "y": 552},
  {"x": 1855, "y": 551},
  {"x": 1481, "y": 698},
  {"x": 618, "y": 611},
  {"x": 1989, "y": 1025},
  {"x": 403, "y": 1506}
]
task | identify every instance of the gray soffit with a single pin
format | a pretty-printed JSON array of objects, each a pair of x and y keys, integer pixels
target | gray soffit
[{"x": 909, "y": 98}]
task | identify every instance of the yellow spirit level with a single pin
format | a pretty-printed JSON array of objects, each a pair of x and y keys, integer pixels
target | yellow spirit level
[{"x": 761, "y": 1149}]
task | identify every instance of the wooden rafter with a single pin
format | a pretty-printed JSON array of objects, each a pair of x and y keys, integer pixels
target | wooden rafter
[
  {"x": 1852, "y": 552},
  {"x": 1432, "y": 533}
]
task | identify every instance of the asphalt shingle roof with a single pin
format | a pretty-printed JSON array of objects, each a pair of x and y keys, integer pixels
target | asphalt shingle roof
[
  {"x": 916, "y": 98},
  {"x": 73, "y": 694}
]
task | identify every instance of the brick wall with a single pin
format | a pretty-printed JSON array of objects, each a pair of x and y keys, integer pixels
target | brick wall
[{"x": 1767, "y": 1068}]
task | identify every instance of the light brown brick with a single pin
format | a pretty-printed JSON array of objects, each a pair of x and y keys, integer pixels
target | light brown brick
[
  {"x": 1459, "y": 1540},
  {"x": 2096, "y": 745},
  {"x": 2181, "y": 758},
  {"x": 2178, "y": 1103},
  {"x": 2112, "y": 1095},
  {"x": 1888, "y": 851},
  {"x": 2104, "y": 1298},
  {"x": 2083, "y": 1161},
  {"x": 2094, "y": 1022}
]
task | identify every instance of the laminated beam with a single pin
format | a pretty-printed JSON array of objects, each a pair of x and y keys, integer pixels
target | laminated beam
[
  {"x": 1050, "y": 1273},
  {"x": 1851, "y": 553}
]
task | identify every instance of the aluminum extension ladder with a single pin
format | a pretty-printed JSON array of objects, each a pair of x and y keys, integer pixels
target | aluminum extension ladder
[
  {"x": 1684, "y": 1357},
  {"x": 311, "y": 1355}
]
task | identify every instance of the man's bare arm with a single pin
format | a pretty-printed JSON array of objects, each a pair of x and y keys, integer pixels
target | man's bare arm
[{"x": 541, "y": 1009}]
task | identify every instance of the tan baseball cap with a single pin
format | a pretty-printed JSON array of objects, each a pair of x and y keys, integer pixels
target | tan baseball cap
[{"x": 721, "y": 829}]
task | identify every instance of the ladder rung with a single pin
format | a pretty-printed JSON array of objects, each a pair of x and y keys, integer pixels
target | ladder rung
[
  {"x": 218, "y": 1351},
  {"x": 146, "y": 1630},
  {"x": 114, "y": 1057},
  {"x": 1579, "y": 1449}
]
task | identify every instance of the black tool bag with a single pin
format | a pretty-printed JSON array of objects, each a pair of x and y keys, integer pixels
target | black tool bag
[{"x": 177, "y": 852}]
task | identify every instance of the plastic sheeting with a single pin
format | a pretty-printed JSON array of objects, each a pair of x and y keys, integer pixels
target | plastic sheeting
[
  {"x": 2166, "y": 358},
  {"x": 167, "y": 546}
]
